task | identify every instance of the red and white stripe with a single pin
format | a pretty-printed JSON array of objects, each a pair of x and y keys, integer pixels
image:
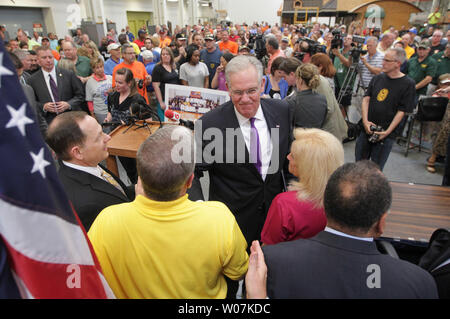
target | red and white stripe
[{"x": 48, "y": 255}]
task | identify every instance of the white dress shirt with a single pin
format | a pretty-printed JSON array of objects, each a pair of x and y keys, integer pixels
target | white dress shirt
[
  {"x": 96, "y": 171},
  {"x": 264, "y": 137},
  {"x": 47, "y": 80},
  {"x": 333, "y": 231}
]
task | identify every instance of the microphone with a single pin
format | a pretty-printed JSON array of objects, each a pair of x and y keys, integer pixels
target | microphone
[{"x": 172, "y": 115}]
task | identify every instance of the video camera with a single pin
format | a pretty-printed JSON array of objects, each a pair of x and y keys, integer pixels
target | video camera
[
  {"x": 337, "y": 41},
  {"x": 258, "y": 44},
  {"x": 357, "y": 50},
  {"x": 313, "y": 48}
]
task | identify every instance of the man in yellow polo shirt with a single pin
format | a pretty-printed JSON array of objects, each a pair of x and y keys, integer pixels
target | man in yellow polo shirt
[{"x": 163, "y": 245}]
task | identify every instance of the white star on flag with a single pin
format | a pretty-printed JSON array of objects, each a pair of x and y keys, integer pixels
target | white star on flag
[
  {"x": 18, "y": 118},
  {"x": 3, "y": 70},
  {"x": 39, "y": 162}
]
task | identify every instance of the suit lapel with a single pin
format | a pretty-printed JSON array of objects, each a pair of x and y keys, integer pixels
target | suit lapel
[
  {"x": 95, "y": 182},
  {"x": 44, "y": 84},
  {"x": 59, "y": 82},
  {"x": 272, "y": 123}
]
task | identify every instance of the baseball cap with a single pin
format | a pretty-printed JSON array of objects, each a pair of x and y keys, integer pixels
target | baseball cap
[
  {"x": 285, "y": 39},
  {"x": 45, "y": 38},
  {"x": 180, "y": 36},
  {"x": 113, "y": 46},
  {"x": 209, "y": 36},
  {"x": 142, "y": 32},
  {"x": 413, "y": 30},
  {"x": 244, "y": 47},
  {"x": 147, "y": 54},
  {"x": 424, "y": 44}
]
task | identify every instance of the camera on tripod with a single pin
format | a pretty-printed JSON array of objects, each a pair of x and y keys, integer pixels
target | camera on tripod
[
  {"x": 374, "y": 137},
  {"x": 357, "y": 50}
]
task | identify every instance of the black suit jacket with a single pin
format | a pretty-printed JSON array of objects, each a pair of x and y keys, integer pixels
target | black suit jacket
[
  {"x": 332, "y": 266},
  {"x": 90, "y": 194},
  {"x": 70, "y": 90},
  {"x": 239, "y": 185}
]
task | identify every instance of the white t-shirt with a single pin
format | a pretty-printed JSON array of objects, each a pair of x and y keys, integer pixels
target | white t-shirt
[{"x": 194, "y": 74}]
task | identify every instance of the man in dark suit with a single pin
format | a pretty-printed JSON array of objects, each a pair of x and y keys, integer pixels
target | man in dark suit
[
  {"x": 80, "y": 145},
  {"x": 244, "y": 147},
  {"x": 342, "y": 261},
  {"x": 57, "y": 90}
]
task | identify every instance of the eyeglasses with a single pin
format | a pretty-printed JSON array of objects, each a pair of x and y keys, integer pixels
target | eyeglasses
[
  {"x": 387, "y": 60},
  {"x": 250, "y": 92}
]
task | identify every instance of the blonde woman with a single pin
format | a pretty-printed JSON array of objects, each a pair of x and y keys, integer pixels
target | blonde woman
[
  {"x": 299, "y": 213},
  {"x": 67, "y": 64},
  {"x": 94, "y": 53},
  {"x": 308, "y": 108}
]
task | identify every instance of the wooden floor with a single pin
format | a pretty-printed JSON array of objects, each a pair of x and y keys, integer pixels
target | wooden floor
[{"x": 417, "y": 210}]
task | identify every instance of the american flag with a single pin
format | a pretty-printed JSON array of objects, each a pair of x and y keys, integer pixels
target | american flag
[{"x": 44, "y": 250}]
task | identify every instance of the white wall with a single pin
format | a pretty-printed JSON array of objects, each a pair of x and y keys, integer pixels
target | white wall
[
  {"x": 55, "y": 12},
  {"x": 116, "y": 10},
  {"x": 249, "y": 11}
]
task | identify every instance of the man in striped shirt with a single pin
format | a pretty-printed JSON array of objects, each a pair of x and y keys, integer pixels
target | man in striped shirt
[{"x": 371, "y": 63}]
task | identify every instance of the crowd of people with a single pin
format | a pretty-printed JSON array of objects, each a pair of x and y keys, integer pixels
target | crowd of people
[{"x": 290, "y": 191}]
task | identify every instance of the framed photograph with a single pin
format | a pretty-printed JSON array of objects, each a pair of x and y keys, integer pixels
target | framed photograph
[{"x": 192, "y": 99}]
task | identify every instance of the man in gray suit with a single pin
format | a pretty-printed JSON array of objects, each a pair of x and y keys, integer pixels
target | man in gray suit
[
  {"x": 342, "y": 261},
  {"x": 57, "y": 90}
]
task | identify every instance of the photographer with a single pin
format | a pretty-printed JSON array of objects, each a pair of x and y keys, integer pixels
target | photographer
[
  {"x": 302, "y": 50},
  {"x": 389, "y": 96},
  {"x": 370, "y": 65},
  {"x": 342, "y": 62},
  {"x": 137, "y": 68}
]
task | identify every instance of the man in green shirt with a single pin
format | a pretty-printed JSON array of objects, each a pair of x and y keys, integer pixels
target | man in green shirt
[
  {"x": 342, "y": 62},
  {"x": 443, "y": 61},
  {"x": 82, "y": 63},
  {"x": 422, "y": 68}
]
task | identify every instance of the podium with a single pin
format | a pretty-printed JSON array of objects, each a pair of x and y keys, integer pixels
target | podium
[{"x": 127, "y": 143}]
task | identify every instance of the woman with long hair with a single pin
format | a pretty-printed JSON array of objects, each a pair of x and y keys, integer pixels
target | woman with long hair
[
  {"x": 119, "y": 103},
  {"x": 92, "y": 48},
  {"x": 307, "y": 107},
  {"x": 299, "y": 213},
  {"x": 165, "y": 72},
  {"x": 325, "y": 66}
]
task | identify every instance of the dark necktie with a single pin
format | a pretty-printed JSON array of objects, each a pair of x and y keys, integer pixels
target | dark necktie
[
  {"x": 54, "y": 88},
  {"x": 255, "y": 147}
]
